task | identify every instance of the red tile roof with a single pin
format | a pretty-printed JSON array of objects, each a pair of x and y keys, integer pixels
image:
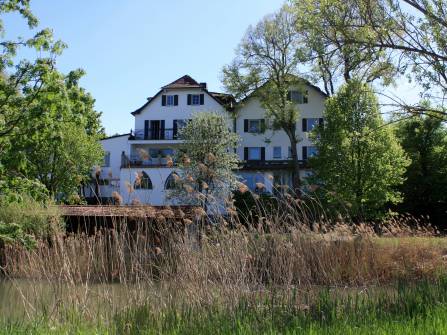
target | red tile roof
[{"x": 183, "y": 82}]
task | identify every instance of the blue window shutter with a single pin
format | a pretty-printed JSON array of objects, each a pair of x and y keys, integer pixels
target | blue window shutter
[
  {"x": 189, "y": 99},
  {"x": 245, "y": 153},
  {"x": 304, "y": 125},
  {"x": 176, "y": 100},
  {"x": 320, "y": 121},
  {"x": 245, "y": 126},
  {"x": 202, "y": 99},
  {"x": 163, "y": 100},
  {"x": 263, "y": 154}
]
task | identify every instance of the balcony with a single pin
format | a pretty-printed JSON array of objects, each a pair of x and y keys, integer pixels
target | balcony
[
  {"x": 137, "y": 161},
  {"x": 153, "y": 134}
]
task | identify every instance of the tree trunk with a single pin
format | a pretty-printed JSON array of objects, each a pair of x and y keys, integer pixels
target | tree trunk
[{"x": 296, "y": 181}]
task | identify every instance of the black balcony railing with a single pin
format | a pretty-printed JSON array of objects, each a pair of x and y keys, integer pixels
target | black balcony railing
[{"x": 153, "y": 134}]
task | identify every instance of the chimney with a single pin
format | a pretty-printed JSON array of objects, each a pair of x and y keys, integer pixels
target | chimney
[{"x": 203, "y": 85}]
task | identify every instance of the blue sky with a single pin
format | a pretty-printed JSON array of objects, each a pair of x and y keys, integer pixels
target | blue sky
[{"x": 130, "y": 49}]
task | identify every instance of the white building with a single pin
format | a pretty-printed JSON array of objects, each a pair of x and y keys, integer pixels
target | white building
[{"x": 264, "y": 155}]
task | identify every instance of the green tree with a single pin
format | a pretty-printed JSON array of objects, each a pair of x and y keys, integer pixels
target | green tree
[
  {"x": 18, "y": 76},
  {"x": 266, "y": 67},
  {"x": 206, "y": 161},
  {"x": 424, "y": 140},
  {"x": 359, "y": 161},
  {"x": 59, "y": 147}
]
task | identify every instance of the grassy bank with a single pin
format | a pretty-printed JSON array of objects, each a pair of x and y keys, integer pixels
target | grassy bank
[{"x": 420, "y": 308}]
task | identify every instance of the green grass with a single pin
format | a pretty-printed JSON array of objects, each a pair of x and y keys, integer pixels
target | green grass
[{"x": 406, "y": 309}]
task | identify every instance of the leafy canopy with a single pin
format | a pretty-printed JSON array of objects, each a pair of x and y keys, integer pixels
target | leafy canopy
[{"x": 359, "y": 161}]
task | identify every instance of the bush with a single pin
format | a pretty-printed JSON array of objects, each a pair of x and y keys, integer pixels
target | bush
[{"x": 23, "y": 220}]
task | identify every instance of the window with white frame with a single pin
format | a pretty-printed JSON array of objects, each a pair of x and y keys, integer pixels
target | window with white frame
[
  {"x": 254, "y": 153},
  {"x": 106, "y": 162},
  {"x": 298, "y": 97},
  {"x": 254, "y": 126},
  {"x": 195, "y": 99},
  {"x": 277, "y": 152},
  {"x": 170, "y": 100}
]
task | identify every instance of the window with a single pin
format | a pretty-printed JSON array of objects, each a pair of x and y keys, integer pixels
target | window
[
  {"x": 106, "y": 162},
  {"x": 196, "y": 99},
  {"x": 254, "y": 126},
  {"x": 254, "y": 154},
  {"x": 171, "y": 181},
  {"x": 298, "y": 97},
  {"x": 169, "y": 100},
  {"x": 251, "y": 179},
  {"x": 309, "y": 151},
  {"x": 310, "y": 123},
  {"x": 276, "y": 152},
  {"x": 167, "y": 152},
  {"x": 181, "y": 123},
  {"x": 154, "y": 153},
  {"x": 142, "y": 181},
  {"x": 157, "y": 153},
  {"x": 312, "y": 151}
]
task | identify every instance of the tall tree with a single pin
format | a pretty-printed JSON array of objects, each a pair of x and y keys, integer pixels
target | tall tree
[
  {"x": 266, "y": 67},
  {"x": 206, "y": 161},
  {"x": 359, "y": 161},
  {"x": 424, "y": 140}
]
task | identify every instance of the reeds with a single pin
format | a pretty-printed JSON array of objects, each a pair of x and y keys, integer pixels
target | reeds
[{"x": 200, "y": 260}]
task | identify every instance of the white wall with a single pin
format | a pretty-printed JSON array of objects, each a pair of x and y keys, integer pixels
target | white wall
[
  {"x": 115, "y": 145},
  {"x": 155, "y": 111},
  {"x": 252, "y": 109},
  {"x": 156, "y": 196}
]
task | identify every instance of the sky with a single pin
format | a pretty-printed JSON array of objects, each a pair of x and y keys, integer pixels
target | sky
[{"x": 129, "y": 49}]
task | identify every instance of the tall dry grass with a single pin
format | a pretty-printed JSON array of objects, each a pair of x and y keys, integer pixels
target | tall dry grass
[{"x": 199, "y": 259}]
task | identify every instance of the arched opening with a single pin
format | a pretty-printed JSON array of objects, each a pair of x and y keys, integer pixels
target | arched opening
[
  {"x": 142, "y": 182},
  {"x": 171, "y": 181}
]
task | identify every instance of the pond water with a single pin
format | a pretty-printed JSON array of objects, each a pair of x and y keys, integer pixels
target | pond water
[{"x": 24, "y": 298}]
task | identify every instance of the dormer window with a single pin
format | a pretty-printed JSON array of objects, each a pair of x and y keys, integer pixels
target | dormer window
[{"x": 299, "y": 97}]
